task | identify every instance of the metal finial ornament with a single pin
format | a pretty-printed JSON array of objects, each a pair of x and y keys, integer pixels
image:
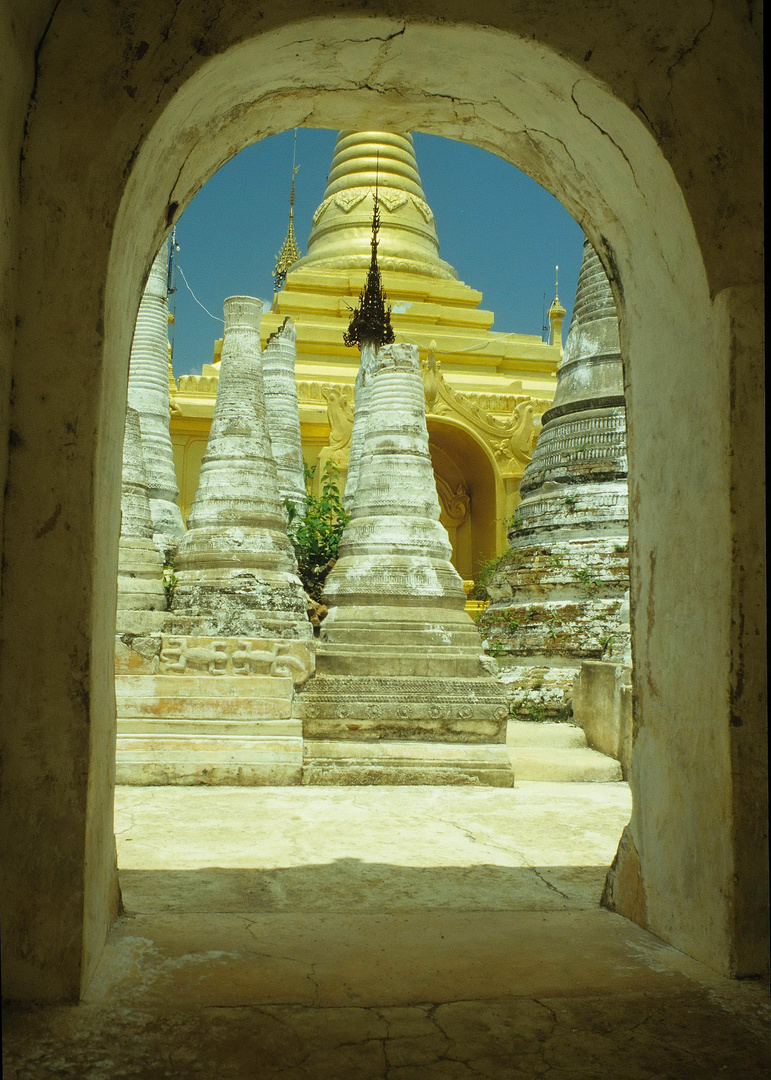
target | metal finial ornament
[
  {"x": 290, "y": 252},
  {"x": 371, "y": 319}
]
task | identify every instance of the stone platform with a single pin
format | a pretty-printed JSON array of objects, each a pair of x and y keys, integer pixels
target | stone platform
[
  {"x": 403, "y": 729},
  {"x": 557, "y": 752},
  {"x": 202, "y": 710}
]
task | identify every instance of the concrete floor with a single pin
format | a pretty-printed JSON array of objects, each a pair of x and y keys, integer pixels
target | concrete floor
[{"x": 399, "y": 933}]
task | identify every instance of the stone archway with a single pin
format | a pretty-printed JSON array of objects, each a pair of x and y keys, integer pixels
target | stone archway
[{"x": 155, "y": 134}]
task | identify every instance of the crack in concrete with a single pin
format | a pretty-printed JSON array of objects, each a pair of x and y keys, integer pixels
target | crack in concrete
[
  {"x": 173, "y": 205},
  {"x": 603, "y": 132},
  {"x": 686, "y": 51},
  {"x": 165, "y": 33},
  {"x": 491, "y": 844},
  {"x": 553, "y": 138},
  {"x": 33, "y": 92},
  {"x": 654, "y": 127}
]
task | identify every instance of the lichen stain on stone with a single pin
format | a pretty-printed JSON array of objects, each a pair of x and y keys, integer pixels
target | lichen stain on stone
[{"x": 49, "y": 524}]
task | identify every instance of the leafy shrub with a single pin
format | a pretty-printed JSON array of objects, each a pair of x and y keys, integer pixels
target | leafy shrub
[
  {"x": 315, "y": 535},
  {"x": 484, "y": 573}
]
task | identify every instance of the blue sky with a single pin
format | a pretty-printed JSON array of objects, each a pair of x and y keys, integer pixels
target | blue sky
[{"x": 502, "y": 232}]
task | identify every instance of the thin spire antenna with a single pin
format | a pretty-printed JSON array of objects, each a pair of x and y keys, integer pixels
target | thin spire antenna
[{"x": 171, "y": 284}]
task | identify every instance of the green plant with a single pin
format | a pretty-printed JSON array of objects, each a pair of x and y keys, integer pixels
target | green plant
[
  {"x": 315, "y": 535},
  {"x": 535, "y": 713},
  {"x": 484, "y": 574},
  {"x": 169, "y": 581},
  {"x": 586, "y": 580},
  {"x": 495, "y": 648},
  {"x": 606, "y": 644},
  {"x": 570, "y": 502}
]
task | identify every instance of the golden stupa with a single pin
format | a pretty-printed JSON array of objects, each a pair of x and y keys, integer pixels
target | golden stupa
[{"x": 485, "y": 391}]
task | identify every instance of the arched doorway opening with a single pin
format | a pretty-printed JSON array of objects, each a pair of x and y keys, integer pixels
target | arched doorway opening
[
  {"x": 469, "y": 488},
  {"x": 147, "y": 156}
]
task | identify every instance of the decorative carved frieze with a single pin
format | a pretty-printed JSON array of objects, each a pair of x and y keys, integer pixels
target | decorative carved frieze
[
  {"x": 391, "y": 198},
  {"x": 511, "y": 439},
  {"x": 454, "y": 502},
  {"x": 310, "y": 390},
  {"x": 235, "y": 656}
]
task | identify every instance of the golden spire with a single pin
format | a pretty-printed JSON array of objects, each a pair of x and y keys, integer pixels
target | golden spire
[
  {"x": 556, "y": 313},
  {"x": 290, "y": 252},
  {"x": 340, "y": 235}
]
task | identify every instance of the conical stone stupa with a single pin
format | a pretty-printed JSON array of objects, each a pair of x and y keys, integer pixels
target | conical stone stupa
[
  {"x": 148, "y": 393},
  {"x": 560, "y": 596},
  {"x": 140, "y": 567},
  {"x": 282, "y": 412},
  {"x": 236, "y": 569},
  {"x": 362, "y": 393},
  {"x": 400, "y": 695}
]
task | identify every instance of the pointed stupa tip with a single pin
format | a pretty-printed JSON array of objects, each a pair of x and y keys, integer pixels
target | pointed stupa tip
[
  {"x": 340, "y": 235},
  {"x": 290, "y": 252},
  {"x": 371, "y": 319},
  {"x": 556, "y": 313}
]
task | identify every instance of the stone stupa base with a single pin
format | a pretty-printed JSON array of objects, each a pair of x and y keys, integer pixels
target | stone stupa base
[
  {"x": 342, "y": 763},
  {"x": 404, "y": 729},
  {"x": 195, "y": 709},
  {"x": 399, "y": 640}
]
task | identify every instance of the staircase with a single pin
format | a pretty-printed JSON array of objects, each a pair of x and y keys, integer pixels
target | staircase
[{"x": 557, "y": 752}]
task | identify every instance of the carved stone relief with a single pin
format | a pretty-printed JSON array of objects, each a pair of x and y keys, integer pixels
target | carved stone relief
[
  {"x": 235, "y": 656},
  {"x": 511, "y": 440}
]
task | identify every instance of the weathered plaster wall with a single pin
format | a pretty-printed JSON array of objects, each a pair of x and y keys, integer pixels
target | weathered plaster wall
[
  {"x": 17, "y": 80},
  {"x": 643, "y": 120}
]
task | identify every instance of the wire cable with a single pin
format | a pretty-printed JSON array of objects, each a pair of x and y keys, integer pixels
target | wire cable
[{"x": 216, "y": 317}]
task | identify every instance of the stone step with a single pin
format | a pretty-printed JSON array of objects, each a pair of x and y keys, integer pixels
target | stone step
[
  {"x": 544, "y": 734},
  {"x": 574, "y": 765}
]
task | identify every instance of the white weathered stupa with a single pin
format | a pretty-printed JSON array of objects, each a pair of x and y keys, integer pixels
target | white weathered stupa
[
  {"x": 236, "y": 569},
  {"x": 282, "y": 412},
  {"x": 362, "y": 394},
  {"x": 148, "y": 393},
  {"x": 560, "y": 596},
  {"x": 400, "y": 695},
  {"x": 140, "y": 567}
]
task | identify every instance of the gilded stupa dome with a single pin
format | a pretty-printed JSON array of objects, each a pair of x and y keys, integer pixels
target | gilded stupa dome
[{"x": 342, "y": 225}]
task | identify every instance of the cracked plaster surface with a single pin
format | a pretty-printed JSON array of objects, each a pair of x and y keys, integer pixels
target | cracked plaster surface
[{"x": 639, "y": 1038}]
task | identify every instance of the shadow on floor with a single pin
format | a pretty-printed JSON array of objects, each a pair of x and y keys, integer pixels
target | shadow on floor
[{"x": 350, "y": 884}]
